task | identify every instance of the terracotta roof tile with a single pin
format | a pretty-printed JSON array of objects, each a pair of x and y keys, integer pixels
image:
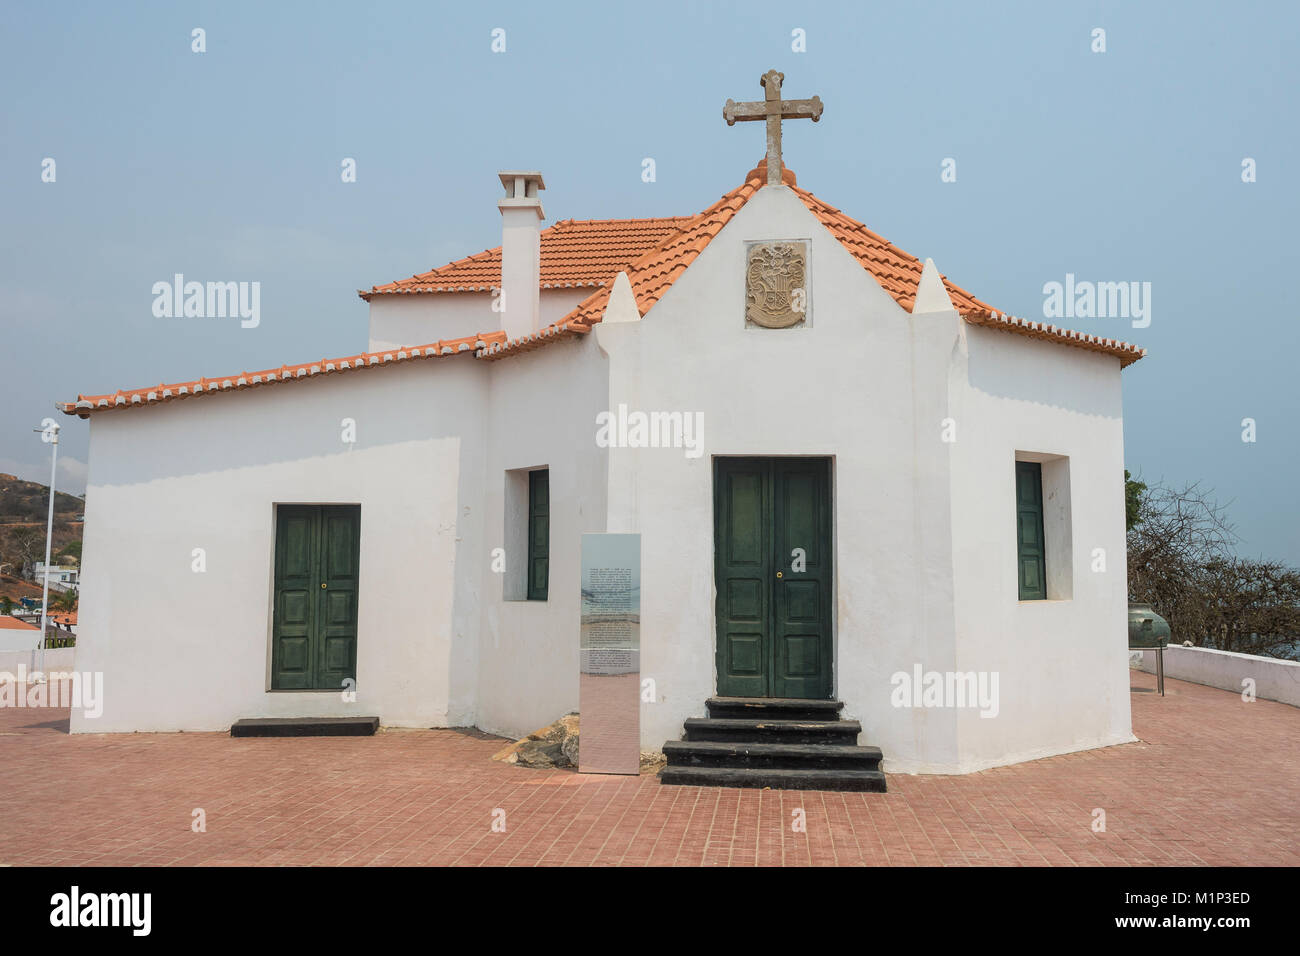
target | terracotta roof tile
[
  {"x": 898, "y": 272},
  {"x": 574, "y": 253},
  {"x": 653, "y": 273},
  {"x": 85, "y": 404}
]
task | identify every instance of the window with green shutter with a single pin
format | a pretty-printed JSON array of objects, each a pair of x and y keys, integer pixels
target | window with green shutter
[
  {"x": 1031, "y": 560},
  {"x": 539, "y": 533}
]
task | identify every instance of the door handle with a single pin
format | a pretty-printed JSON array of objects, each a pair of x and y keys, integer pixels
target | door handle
[
  {"x": 322, "y": 585},
  {"x": 778, "y": 574}
]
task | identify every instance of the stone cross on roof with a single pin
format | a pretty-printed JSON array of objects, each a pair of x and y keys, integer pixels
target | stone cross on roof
[{"x": 773, "y": 109}]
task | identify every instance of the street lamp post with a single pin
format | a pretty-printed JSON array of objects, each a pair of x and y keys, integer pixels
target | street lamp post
[{"x": 49, "y": 433}]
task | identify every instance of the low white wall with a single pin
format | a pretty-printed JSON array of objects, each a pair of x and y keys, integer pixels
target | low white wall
[
  {"x": 1274, "y": 679},
  {"x": 13, "y": 639},
  {"x": 56, "y": 659}
]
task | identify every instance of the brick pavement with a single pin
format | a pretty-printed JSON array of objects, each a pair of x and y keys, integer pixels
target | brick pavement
[{"x": 1213, "y": 780}]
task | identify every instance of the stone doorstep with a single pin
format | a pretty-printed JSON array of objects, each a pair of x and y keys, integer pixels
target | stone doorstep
[{"x": 305, "y": 727}]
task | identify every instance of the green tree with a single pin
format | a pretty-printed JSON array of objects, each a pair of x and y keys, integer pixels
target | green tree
[
  {"x": 1182, "y": 560},
  {"x": 1133, "y": 490}
]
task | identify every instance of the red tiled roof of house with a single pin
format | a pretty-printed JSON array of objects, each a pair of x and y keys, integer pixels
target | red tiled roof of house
[
  {"x": 10, "y": 623},
  {"x": 898, "y": 272},
  {"x": 150, "y": 395},
  {"x": 574, "y": 253},
  {"x": 651, "y": 274}
]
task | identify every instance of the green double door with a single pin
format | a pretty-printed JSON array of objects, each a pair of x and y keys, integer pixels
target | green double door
[
  {"x": 314, "y": 627},
  {"x": 772, "y": 566}
]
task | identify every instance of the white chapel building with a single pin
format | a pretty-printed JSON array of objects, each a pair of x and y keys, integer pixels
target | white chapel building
[{"x": 848, "y": 474}]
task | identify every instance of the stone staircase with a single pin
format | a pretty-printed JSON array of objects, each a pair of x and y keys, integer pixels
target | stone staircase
[{"x": 781, "y": 743}]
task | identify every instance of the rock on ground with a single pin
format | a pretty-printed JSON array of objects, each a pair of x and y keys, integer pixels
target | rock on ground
[{"x": 555, "y": 747}]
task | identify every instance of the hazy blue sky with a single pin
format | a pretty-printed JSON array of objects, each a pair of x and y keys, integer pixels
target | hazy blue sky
[{"x": 1116, "y": 166}]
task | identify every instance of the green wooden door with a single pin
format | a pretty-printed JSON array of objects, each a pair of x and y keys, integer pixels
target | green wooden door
[
  {"x": 772, "y": 561},
  {"x": 314, "y": 627}
]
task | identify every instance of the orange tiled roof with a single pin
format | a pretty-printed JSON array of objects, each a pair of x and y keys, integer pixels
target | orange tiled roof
[
  {"x": 8, "y": 623},
  {"x": 898, "y": 272},
  {"x": 653, "y": 273},
  {"x": 574, "y": 253},
  {"x": 679, "y": 241},
  {"x": 155, "y": 394}
]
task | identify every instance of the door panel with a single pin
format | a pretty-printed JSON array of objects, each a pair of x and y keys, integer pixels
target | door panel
[
  {"x": 743, "y": 576},
  {"x": 314, "y": 626},
  {"x": 295, "y": 601},
  {"x": 337, "y": 659},
  {"x": 802, "y": 632},
  {"x": 773, "y": 621}
]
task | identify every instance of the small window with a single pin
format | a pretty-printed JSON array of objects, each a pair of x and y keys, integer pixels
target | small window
[
  {"x": 539, "y": 533},
  {"x": 1030, "y": 545}
]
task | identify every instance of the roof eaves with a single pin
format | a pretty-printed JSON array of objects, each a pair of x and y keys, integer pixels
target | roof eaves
[
  {"x": 85, "y": 405},
  {"x": 566, "y": 328},
  {"x": 1126, "y": 352}
]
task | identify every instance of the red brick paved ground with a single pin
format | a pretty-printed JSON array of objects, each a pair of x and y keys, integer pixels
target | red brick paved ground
[{"x": 1213, "y": 781}]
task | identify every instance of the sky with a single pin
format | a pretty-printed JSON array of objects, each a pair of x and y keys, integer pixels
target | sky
[{"x": 1115, "y": 165}]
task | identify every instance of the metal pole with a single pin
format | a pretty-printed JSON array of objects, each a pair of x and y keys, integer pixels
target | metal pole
[{"x": 49, "y": 535}]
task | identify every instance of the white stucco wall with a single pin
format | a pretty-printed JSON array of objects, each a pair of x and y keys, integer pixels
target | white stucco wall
[
  {"x": 840, "y": 388},
  {"x": 1273, "y": 678},
  {"x": 418, "y": 319},
  {"x": 15, "y": 662},
  {"x": 541, "y": 411},
  {"x": 1062, "y": 663},
  {"x": 924, "y": 533},
  {"x": 923, "y": 529},
  {"x": 190, "y": 651},
  {"x": 19, "y": 639}
]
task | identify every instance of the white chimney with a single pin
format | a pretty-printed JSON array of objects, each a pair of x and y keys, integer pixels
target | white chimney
[{"x": 521, "y": 252}]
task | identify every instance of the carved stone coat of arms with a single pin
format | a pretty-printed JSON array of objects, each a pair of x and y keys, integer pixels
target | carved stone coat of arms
[{"x": 775, "y": 288}]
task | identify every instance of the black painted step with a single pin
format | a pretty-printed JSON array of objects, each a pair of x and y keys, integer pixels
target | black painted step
[
  {"x": 872, "y": 781},
  {"x": 773, "y": 742},
  {"x": 842, "y": 732},
  {"x": 712, "y": 753},
  {"x": 773, "y": 708},
  {"x": 304, "y": 727}
]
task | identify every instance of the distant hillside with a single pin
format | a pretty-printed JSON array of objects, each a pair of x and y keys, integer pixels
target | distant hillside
[
  {"x": 23, "y": 507},
  {"x": 27, "y": 501}
]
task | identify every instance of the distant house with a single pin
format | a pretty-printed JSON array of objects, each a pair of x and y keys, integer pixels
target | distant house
[{"x": 61, "y": 578}]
